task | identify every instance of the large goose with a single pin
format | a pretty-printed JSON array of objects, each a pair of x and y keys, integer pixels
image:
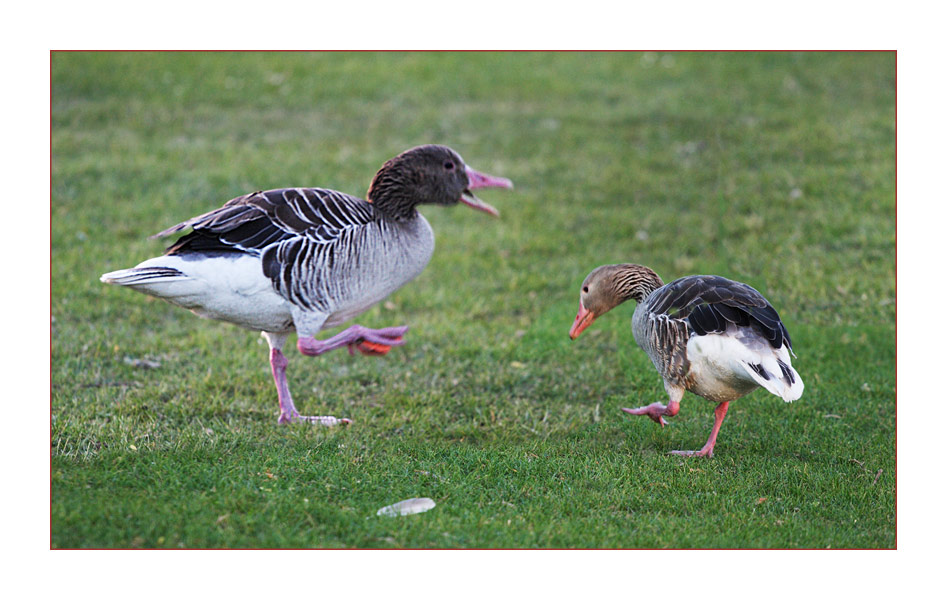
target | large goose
[
  {"x": 717, "y": 338},
  {"x": 304, "y": 259}
]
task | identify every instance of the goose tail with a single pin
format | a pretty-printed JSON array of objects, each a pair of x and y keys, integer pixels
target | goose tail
[
  {"x": 776, "y": 374},
  {"x": 139, "y": 276},
  {"x": 156, "y": 277}
]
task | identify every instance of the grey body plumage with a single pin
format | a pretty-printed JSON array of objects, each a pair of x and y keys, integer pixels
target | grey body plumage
[{"x": 327, "y": 253}]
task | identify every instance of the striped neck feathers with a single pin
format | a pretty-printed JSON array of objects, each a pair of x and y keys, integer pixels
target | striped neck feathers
[
  {"x": 609, "y": 285},
  {"x": 390, "y": 191}
]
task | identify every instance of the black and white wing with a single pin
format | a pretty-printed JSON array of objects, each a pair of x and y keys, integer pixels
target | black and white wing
[
  {"x": 298, "y": 233},
  {"x": 708, "y": 303}
]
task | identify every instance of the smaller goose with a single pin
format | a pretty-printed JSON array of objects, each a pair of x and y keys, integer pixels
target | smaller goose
[
  {"x": 717, "y": 338},
  {"x": 304, "y": 259}
]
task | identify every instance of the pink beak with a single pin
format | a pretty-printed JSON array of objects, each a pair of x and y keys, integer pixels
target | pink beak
[
  {"x": 582, "y": 320},
  {"x": 482, "y": 180}
]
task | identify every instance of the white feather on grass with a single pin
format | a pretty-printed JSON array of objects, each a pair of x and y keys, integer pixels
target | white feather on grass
[{"x": 406, "y": 507}]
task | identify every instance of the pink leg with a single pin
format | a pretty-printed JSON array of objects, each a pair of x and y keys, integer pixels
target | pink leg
[
  {"x": 656, "y": 411},
  {"x": 287, "y": 411},
  {"x": 708, "y": 450},
  {"x": 368, "y": 341}
]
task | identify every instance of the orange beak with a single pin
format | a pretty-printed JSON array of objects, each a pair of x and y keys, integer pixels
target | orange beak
[{"x": 582, "y": 320}]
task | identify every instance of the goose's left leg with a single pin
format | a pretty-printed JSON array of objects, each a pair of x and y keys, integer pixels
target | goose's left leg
[
  {"x": 287, "y": 410},
  {"x": 657, "y": 411},
  {"x": 365, "y": 340},
  {"x": 708, "y": 450}
]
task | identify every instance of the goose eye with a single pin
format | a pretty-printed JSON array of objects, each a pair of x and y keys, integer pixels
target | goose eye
[
  {"x": 449, "y": 165},
  {"x": 586, "y": 289}
]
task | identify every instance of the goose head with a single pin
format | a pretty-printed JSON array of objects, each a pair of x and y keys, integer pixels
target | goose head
[
  {"x": 429, "y": 174},
  {"x": 608, "y": 286}
]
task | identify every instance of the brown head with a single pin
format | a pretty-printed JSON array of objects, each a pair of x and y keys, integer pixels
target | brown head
[
  {"x": 428, "y": 175},
  {"x": 608, "y": 286}
]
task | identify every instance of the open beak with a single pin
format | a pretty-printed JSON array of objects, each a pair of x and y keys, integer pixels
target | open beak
[
  {"x": 481, "y": 180},
  {"x": 582, "y": 320}
]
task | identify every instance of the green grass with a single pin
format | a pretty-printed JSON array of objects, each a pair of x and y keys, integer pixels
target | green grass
[{"x": 774, "y": 169}]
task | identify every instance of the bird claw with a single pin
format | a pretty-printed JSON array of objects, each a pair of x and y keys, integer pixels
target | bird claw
[
  {"x": 655, "y": 412},
  {"x": 325, "y": 421},
  {"x": 706, "y": 453},
  {"x": 374, "y": 348},
  {"x": 378, "y": 342}
]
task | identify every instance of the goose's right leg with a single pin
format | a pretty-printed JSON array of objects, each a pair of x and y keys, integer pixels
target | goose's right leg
[
  {"x": 287, "y": 410},
  {"x": 708, "y": 450}
]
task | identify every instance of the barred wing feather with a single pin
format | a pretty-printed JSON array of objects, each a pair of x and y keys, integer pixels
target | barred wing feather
[
  {"x": 297, "y": 233},
  {"x": 252, "y": 222}
]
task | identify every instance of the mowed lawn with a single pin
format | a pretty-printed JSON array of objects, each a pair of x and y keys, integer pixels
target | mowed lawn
[{"x": 777, "y": 169}]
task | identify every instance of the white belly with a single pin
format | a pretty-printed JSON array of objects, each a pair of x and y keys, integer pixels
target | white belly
[{"x": 715, "y": 370}]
